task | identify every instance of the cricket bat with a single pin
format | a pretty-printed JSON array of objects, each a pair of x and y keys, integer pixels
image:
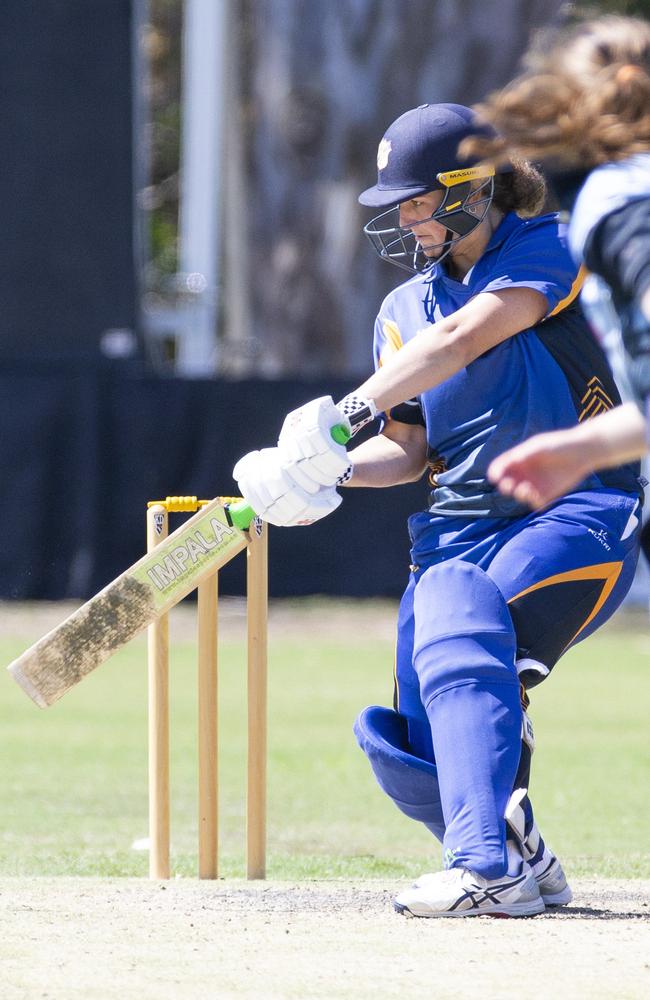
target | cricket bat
[{"x": 153, "y": 585}]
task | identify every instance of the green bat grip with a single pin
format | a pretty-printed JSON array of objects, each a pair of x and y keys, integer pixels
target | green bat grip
[
  {"x": 241, "y": 514},
  {"x": 340, "y": 434}
]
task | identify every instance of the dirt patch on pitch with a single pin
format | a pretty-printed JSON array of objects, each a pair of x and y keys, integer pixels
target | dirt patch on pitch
[{"x": 105, "y": 939}]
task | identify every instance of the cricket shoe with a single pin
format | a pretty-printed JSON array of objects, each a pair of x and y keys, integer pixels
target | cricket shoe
[
  {"x": 553, "y": 886},
  {"x": 458, "y": 892}
]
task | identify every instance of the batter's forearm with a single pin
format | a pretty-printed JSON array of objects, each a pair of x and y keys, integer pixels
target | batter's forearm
[
  {"x": 439, "y": 351},
  {"x": 427, "y": 360},
  {"x": 381, "y": 462}
]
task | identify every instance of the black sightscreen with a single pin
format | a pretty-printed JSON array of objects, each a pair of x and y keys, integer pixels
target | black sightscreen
[{"x": 67, "y": 271}]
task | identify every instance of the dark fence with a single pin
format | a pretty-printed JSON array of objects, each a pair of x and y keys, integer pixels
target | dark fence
[{"x": 84, "y": 447}]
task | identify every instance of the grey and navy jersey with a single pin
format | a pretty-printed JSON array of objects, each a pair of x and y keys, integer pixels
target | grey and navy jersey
[
  {"x": 606, "y": 190},
  {"x": 610, "y": 232},
  {"x": 541, "y": 379}
]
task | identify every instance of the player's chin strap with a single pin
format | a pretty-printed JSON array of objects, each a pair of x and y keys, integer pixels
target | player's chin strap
[{"x": 359, "y": 411}]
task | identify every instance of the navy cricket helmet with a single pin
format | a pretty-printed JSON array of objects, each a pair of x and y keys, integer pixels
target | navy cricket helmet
[{"x": 419, "y": 154}]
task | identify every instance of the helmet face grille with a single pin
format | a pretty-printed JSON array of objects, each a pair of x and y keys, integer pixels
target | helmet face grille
[
  {"x": 394, "y": 243},
  {"x": 463, "y": 208}
]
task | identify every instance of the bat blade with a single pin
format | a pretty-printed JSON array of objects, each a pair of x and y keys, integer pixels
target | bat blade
[{"x": 126, "y": 606}]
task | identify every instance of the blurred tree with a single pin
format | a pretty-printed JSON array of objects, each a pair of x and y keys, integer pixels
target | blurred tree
[
  {"x": 162, "y": 50},
  {"x": 324, "y": 81}
]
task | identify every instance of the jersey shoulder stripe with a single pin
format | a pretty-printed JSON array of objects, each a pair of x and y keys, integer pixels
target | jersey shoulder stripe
[
  {"x": 392, "y": 340},
  {"x": 576, "y": 288}
]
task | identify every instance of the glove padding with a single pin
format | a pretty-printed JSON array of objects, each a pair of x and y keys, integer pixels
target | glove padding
[
  {"x": 310, "y": 454},
  {"x": 275, "y": 496}
]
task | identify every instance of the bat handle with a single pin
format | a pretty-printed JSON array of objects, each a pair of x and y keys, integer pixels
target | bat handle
[
  {"x": 241, "y": 514},
  {"x": 340, "y": 434}
]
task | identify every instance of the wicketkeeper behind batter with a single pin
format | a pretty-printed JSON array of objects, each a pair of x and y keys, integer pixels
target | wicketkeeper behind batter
[{"x": 483, "y": 345}]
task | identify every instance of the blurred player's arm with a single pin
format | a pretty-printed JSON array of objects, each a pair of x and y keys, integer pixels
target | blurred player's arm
[
  {"x": 397, "y": 455},
  {"x": 550, "y": 465}
]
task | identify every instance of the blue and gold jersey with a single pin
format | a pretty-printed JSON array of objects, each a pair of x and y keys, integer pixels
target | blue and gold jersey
[{"x": 545, "y": 378}]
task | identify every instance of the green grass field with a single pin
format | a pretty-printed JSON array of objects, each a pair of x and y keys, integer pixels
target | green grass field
[{"x": 73, "y": 795}]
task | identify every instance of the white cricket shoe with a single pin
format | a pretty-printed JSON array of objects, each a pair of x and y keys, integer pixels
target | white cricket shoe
[
  {"x": 458, "y": 892},
  {"x": 553, "y": 886}
]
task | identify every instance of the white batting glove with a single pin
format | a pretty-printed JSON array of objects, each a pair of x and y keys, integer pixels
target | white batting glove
[
  {"x": 310, "y": 453},
  {"x": 275, "y": 495}
]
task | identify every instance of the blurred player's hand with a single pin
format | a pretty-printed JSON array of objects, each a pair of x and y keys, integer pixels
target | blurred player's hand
[
  {"x": 273, "y": 493},
  {"x": 540, "y": 470},
  {"x": 310, "y": 453}
]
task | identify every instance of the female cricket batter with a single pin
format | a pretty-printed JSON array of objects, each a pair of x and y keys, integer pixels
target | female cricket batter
[
  {"x": 584, "y": 107},
  {"x": 480, "y": 347}
]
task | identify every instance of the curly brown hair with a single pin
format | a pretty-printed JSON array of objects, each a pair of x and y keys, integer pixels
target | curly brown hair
[
  {"x": 582, "y": 101},
  {"x": 522, "y": 190}
]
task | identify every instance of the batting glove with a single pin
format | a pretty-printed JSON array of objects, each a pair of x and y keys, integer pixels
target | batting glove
[
  {"x": 310, "y": 441},
  {"x": 311, "y": 455},
  {"x": 274, "y": 494}
]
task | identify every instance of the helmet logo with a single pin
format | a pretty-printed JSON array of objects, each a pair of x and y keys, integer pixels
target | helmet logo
[{"x": 383, "y": 153}]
